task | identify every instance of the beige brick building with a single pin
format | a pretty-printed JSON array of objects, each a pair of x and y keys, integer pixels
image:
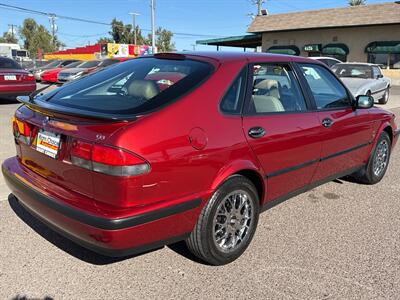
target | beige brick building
[
  {"x": 369, "y": 33},
  {"x": 361, "y": 33}
]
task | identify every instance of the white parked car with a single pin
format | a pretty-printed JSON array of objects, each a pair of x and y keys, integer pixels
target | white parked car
[
  {"x": 364, "y": 79},
  {"x": 329, "y": 61}
]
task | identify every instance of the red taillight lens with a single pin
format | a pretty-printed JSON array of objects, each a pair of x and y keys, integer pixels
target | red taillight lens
[
  {"x": 30, "y": 77},
  {"x": 114, "y": 157},
  {"x": 107, "y": 160},
  {"x": 82, "y": 150}
]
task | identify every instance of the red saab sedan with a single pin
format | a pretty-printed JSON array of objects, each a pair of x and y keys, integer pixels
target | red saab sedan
[
  {"x": 190, "y": 147},
  {"x": 14, "y": 80}
]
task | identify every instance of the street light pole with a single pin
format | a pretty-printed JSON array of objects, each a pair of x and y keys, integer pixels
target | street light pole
[
  {"x": 134, "y": 26},
  {"x": 153, "y": 33}
]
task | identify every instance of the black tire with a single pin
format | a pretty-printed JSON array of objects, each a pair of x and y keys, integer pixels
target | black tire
[
  {"x": 367, "y": 175},
  {"x": 201, "y": 241},
  {"x": 385, "y": 97}
]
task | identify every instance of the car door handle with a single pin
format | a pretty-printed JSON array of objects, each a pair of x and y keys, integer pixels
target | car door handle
[
  {"x": 256, "y": 132},
  {"x": 327, "y": 122}
]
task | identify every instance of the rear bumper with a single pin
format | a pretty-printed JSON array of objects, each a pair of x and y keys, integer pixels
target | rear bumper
[{"x": 112, "y": 237}]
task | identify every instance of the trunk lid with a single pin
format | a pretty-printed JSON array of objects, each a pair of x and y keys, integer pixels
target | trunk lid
[
  {"x": 13, "y": 76},
  {"x": 67, "y": 128}
]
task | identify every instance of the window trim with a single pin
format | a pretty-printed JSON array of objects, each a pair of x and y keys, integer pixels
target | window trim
[
  {"x": 244, "y": 86},
  {"x": 250, "y": 76},
  {"x": 310, "y": 93}
]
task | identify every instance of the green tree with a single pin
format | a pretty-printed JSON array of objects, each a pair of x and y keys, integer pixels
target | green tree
[
  {"x": 37, "y": 37},
  {"x": 124, "y": 34},
  {"x": 163, "y": 40},
  {"x": 105, "y": 40},
  {"x": 8, "y": 38},
  {"x": 356, "y": 2}
]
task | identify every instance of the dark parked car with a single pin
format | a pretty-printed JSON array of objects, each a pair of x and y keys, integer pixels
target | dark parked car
[
  {"x": 189, "y": 147},
  {"x": 14, "y": 80}
]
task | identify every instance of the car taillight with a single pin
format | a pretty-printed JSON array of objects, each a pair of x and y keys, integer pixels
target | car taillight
[
  {"x": 107, "y": 160},
  {"x": 22, "y": 130},
  {"x": 30, "y": 77}
]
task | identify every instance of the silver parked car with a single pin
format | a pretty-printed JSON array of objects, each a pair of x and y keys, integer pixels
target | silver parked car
[
  {"x": 329, "y": 61},
  {"x": 364, "y": 79}
]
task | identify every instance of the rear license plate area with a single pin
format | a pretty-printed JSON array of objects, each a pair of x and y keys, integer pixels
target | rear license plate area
[{"x": 48, "y": 143}]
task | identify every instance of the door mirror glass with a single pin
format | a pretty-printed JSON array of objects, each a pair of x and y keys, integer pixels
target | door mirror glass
[{"x": 364, "y": 101}]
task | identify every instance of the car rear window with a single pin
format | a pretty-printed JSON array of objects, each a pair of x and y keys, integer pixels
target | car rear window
[
  {"x": 6, "y": 63},
  {"x": 90, "y": 64},
  {"x": 108, "y": 62},
  {"x": 54, "y": 63},
  {"x": 137, "y": 86}
]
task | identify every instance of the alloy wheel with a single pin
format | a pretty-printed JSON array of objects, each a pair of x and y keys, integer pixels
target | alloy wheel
[
  {"x": 233, "y": 220},
  {"x": 381, "y": 158}
]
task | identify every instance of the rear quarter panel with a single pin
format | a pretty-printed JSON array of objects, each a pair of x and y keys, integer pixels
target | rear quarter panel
[{"x": 164, "y": 137}]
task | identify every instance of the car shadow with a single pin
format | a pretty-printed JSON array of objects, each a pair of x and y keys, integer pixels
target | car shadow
[
  {"x": 181, "y": 249},
  {"x": 61, "y": 242},
  {"x": 8, "y": 101}
]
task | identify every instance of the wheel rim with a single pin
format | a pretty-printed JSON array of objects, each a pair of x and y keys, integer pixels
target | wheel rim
[
  {"x": 381, "y": 158},
  {"x": 386, "y": 98},
  {"x": 233, "y": 221}
]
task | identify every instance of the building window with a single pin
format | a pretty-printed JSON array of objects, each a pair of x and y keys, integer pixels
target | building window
[
  {"x": 384, "y": 59},
  {"x": 275, "y": 42},
  {"x": 384, "y": 53},
  {"x": 313, "y": 49},
  {"x": 335, "y": 39},
  {"x": 338, "y": 51},
  {"x": 288, "y": 50}
]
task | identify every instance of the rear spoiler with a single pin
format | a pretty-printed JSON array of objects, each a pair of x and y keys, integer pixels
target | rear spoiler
[{"x": 48, "y": 108}]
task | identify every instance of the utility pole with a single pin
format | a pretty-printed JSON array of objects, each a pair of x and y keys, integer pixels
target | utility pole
[
  {"x": 12, "y": 29},
  {"x": 153, "y": 32},
  {"x": 52, "y": 19},
  {"x": 134, "y": 26},
  {"x": 258, "y": 2}
]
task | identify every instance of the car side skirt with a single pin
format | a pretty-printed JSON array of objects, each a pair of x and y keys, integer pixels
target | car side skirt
[{"x": 306, "y": 188}]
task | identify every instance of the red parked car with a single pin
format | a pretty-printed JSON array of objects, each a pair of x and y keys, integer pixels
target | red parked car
[
  {"x": 120, "y": 163},
  {"x": 51, "y": 75},
  {"x": 14, "y": 80}
]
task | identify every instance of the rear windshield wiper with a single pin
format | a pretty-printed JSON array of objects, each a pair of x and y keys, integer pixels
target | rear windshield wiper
[{"x": 37, "y": 92}]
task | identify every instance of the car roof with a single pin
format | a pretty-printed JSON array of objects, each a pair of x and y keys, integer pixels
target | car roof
[
  {"x": 225, "y": 56},
  {"x": 324, "y": 57},
  {"x": 358, "y": 64}
]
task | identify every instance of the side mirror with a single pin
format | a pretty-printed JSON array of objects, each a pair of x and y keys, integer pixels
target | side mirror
[
  {"x": 379, "y": 76},
  {"x": 364, "y": 101}
]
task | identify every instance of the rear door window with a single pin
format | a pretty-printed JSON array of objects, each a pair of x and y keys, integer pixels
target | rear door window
[
  {"x": 134, "y": 87},
  {"x": 275, "y": 90},
  {"x": 328, "y": 92}
]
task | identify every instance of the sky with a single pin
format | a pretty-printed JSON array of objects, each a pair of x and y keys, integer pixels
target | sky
[{"x": 189, "y": 20}]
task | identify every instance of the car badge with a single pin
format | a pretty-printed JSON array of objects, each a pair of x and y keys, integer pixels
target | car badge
[{"x": 45, "y": 121}]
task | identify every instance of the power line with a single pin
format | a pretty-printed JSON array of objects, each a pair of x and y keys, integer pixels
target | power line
[
  {"x": 42, "y": 13},
  {"x": 31, "y": 11}
]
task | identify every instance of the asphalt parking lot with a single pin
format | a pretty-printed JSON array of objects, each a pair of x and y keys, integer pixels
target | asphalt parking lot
[{"x": 338, "y": 241}]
